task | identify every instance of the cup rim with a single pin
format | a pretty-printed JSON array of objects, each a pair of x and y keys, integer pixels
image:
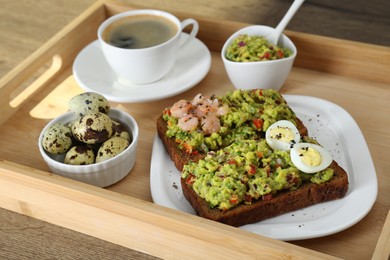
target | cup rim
[
  {"x": 121, "y": 15},
  {"x": 234, "y": 35},
  {"x": 79, "y": 169}
]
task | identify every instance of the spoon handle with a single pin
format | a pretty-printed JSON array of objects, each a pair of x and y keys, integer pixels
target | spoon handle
[{"x": 274, "y": 37}]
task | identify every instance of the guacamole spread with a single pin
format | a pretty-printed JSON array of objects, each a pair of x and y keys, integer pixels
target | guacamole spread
[
  {"x": 247, "y": 48},
  {"x": 248, "y": 115},
  {"x": 246, "y": 171}
]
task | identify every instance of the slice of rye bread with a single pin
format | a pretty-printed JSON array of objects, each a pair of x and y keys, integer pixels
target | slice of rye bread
[
  {"x": 306, "y": 195},
  {"x": 283, "y": 202},
  {"x": 180, "y": 157}
]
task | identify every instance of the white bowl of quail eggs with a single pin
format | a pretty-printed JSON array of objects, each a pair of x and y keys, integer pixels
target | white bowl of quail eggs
[{"x": 92, "y": 143}]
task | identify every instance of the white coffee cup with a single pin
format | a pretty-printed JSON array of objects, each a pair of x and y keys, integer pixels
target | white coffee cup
[{"x": 150, "y": 64}]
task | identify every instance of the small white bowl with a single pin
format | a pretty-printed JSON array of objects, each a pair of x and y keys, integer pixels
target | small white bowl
[
  {"x": 270, "y": 74},
  {"x": 100, "y": 174}
]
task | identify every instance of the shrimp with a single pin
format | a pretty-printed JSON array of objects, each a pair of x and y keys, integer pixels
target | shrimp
[
  {"x": 208, "y": 106},
  {"x": 222, "y": 110},
  {"x": 210, "y": 124},
  {"x": 181, "y": 108},
  {"x": 188, "y": 122},
  {"x": 198, "y": 99},
  {"x": 203, "y": 109}
]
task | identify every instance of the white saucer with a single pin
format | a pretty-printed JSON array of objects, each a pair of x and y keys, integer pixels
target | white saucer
[{"x": 92, "y": 73}]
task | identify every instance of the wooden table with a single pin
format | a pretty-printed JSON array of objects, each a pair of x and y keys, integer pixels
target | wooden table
[{"x": 23, "y": 237}]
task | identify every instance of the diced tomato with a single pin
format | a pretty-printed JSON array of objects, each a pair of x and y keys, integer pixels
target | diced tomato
[
  {"x": 232, "y": 161},
  {"x": 187, "y": 148},
  {"x": 234, "y": 199},
  {"x": 258, "y": 123},
  {"x": 190, "y": 179},
  {"x": 252, "y": 169},
  {"x": 167, "y": 112},
  {"x": 280, "y": 54},
  {"x": 266, "y": 55}
]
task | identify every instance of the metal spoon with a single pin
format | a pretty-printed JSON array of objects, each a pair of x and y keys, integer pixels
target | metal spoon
[{"x": 274, "y": 37}]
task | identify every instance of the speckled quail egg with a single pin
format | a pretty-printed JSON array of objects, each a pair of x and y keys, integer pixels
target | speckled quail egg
[
  {"x": 121, "y": 131},
  {"x": 282, "y": 135},
  {"x": 57, "y": 139},
  {"x": 310, "y": 158},
  {"x": 111, "y": 148},
  {"x": 92, "y": 128},
  {"x": 88, "y": 102},
  {"x": 80, "y": 155}
]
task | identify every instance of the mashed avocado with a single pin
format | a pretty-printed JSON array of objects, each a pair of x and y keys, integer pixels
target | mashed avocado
[
  {"x": 247, "y": 48},
  {"x": 245, "y": 171},
  {"x": 239, "y": 166},
  {"x": 250, "y": 114}
]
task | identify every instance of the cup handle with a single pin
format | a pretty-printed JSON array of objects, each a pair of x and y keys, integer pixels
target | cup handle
[{"x": 194, "y": 31}]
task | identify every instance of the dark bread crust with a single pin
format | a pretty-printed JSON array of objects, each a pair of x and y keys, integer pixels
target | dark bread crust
[
  {"x": 179, "y": 157},
  {"x": 306, "y": 195}
]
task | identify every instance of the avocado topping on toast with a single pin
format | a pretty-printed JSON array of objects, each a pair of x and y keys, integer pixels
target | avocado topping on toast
[
  {"x": 239, "y": 115},
  {"x": 245, "y": 171}
]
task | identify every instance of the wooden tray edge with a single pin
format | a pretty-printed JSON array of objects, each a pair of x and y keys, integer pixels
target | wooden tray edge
[{"x": 133, "y": 223}]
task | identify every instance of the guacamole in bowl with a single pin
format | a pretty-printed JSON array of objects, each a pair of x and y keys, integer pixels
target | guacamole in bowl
[
  {"x": 251, "y": 63},
  {"x": 247, "y": 48}
]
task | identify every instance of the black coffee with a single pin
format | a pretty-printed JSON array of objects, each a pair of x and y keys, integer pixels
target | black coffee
[{"x": 139, "y": 31}]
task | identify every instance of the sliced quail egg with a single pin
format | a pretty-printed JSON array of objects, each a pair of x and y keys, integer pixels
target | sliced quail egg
[
  {"x": 282, "y": 135},
  {"x": 310, "y": 158}
]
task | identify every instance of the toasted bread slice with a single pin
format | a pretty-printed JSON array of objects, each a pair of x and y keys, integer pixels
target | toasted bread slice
[
  {"x": 306, "y": 195},
  {"x": 282, "y": 202}
]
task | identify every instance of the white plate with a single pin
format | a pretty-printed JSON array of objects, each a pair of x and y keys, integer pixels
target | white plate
[
  {"x": 337, "y": 131},
  {"x": 92, "y": 73}
]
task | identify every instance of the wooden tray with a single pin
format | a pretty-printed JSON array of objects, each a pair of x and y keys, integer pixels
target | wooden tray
[{"x": 40, "y": 87}]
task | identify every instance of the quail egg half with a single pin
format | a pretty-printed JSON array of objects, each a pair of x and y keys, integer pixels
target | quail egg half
[
  {"x": 282, "y": 135},
  {"x": 310, "y": 158}
]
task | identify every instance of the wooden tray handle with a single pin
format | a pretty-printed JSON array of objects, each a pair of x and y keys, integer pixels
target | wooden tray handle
[
  {"x": 60, "y": 50},
  {"x": 15, "y": 87},
  {"x": 37, "y": 84}
]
